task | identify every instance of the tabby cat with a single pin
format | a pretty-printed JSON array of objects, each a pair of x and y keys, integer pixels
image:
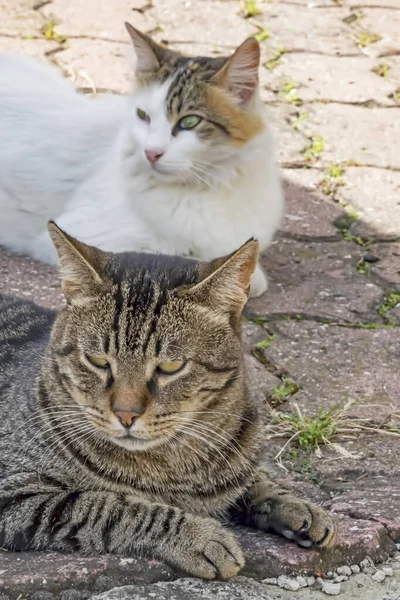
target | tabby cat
[
  {"x": 185, "y": 165},
  {"x": 125, "y": 423}
]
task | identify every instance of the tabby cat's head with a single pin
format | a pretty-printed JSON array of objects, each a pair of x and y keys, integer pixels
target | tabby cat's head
[
  {"x": 193, "y": 117},
  {"x": 147, "y": 343}
]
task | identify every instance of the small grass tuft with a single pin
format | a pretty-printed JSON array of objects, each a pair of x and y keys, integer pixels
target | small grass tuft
[
  {"x": 382, "y": 69},
  {"x": 265, "y": 343},
  {"x": 310, "y": 432},
  {"x": 250, "y": 8},
  {"x": 262, "y": 35},
  {"x": 390, "y": 302},
  {"x": 299, "y": 120},
  {"x": 275, "y": 60},
  {"x": 281, "y": 393},
  {"x": 289, "y": 90},
  {"x": 368, "y": 325},
  {"x": 50, "y": 33},
  {"x": 336, "y": 170},
  {"x": 363, "y": 267},
  {"x": 315, "y": 148},
  {"x": 334, "y": 180},
  {"x": 366, "y": 38}
]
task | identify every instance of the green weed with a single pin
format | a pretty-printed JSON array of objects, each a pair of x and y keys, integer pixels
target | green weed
[
  {"x": 265, "y": 343},
  {"x": 299, "y": 120},
  {"x": 50, "y": 33},
  {"x": 283, "y": 392},
  {"x": 250, "y": 8},
  {"x": 262, "y": 35},
  {"x": 390, "y": 302},
  {"x": 366, "y": 38},
  {"x": 290, "y": 91},
  {"x": 382, "y": 69},
  {"x": 275, "y": 60},
  {"x": 315, "y": 148}
]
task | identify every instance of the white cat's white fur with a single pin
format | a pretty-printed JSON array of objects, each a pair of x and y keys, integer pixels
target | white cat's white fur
[{"x": 81, "y": 162}]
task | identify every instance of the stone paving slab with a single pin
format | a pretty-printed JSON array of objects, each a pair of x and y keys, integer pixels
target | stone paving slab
[
  {"x": 97, "y": 65},
  {"x": 318, "y": 279},
  {"x": 316, "y": 79},
  {"x": 266, "y": 556},
  {"x": 29, "y": 279},
  {"x": 388, "y": 267},
  {"x": 38, "y": 48},
  {"x": 105, "y": 20},
  {"x": 365, "y": 135},
  {"x": 375, "y": 193},
  {"x": 368, "y": 354},
  {"x": 290, "y": 143},
  {"x": 216, "y": 24},
  {"x": 306, "y": 27},
  {"x": 307, "y": 211},
  {"x": 19, "y": 18},
  {"x": 382, "y": 22}
]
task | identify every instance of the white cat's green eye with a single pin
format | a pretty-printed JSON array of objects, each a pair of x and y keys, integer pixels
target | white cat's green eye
[
  {"x": 98, "y": 361},
  {"x": 169, "y": 368},
  {"x": 189, "y": 122},
  {"x": 142, "y": 115}
]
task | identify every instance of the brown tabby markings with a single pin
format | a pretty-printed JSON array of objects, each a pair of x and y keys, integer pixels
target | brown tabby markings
[{"x": 74, "y": 476}]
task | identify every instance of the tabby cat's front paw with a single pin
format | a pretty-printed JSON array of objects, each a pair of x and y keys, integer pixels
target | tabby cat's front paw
[
  {"x": 303, "y": 522},
  {"x": 208, "y": 551}
]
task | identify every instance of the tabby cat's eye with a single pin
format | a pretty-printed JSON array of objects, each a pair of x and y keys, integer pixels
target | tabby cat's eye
[
  {"x": 99, "y": 362},
  {"x": 142, "y": 115},
  {"x": 169, "y": 368},
  {"x": 189, "y": 122}
]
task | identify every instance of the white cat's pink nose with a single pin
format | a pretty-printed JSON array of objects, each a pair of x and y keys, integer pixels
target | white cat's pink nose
[{"x": 153, "y": 155}]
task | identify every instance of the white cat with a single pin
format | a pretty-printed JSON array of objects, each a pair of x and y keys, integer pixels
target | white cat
[{"x": 185, "y": 165}]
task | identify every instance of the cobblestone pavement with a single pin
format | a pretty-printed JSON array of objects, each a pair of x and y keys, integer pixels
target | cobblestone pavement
[{"x": 327, "y": 331}]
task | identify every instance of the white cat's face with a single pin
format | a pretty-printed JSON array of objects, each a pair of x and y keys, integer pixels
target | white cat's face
[
  {"x": 167, "y": 152},
  {"x": 191, "y": 118}
]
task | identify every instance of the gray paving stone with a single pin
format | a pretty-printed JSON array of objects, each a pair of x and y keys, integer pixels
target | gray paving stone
[
  {"x": 318, "y": 279},
  {"x": 320, "y": 358},
  {"x": 101, "y": 64},
  {"x": 332, "y": 78},
  {"x": 104, "y": 20},
  {"x": 375, "y": 193},
  {"x": 307, "y": 28},
  {"x": 184, "y": 589},
  {"x": 363, "y": 135},
  {"x": 19, "y": 18},
  {"x": 37, "y": 48},
  {"x": 217, "y": 24},
  {"x": 308, "y": 211}
]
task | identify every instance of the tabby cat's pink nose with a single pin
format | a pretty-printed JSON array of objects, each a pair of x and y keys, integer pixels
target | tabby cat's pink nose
[{"x": 153, "y": 155}]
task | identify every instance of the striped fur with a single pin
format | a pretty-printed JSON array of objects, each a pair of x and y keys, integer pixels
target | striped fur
[{"x": 72, "y": 478}]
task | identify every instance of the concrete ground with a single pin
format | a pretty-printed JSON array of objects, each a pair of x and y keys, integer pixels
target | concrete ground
[{"x": 326, "y": 334}]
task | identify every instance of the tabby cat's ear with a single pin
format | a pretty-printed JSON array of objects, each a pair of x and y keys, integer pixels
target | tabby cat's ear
[
  {"x": 239, "y": 75},
  {"x": 225, "y": 284},
  {"x": 80, "y": 265}
]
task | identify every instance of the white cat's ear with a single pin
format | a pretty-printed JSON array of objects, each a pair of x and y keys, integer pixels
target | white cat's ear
[
  {"x": 239, "y": 75},
  {"x": 145, "y": 49},
  {"x": 225, "y": 284},
  {"x": 80, "y": 265}
]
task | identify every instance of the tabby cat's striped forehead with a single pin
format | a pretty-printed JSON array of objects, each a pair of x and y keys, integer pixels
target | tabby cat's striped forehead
[
  {"x": 141, "y": 286},
  {"x": 188, "y": 78}
]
